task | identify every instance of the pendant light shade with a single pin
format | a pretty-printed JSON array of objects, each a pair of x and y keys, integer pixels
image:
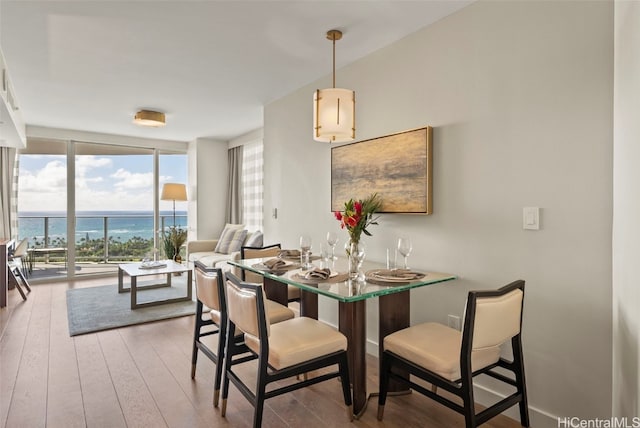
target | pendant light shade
[{"x": 334, "y": 109}]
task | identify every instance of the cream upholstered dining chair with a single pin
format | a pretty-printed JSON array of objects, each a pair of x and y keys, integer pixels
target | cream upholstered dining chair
[
  {"x": 284, "y": 350},
  {"x": 293, "y": 292},
  {"x": 449, "y": 359},
  {"x": 210, "y": 293}
]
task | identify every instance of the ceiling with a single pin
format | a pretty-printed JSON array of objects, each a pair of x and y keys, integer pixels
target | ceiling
[{"x": 211, "y": 66}]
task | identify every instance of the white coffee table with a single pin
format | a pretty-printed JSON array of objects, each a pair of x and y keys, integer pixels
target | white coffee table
[{"x": 135, "y": 270}]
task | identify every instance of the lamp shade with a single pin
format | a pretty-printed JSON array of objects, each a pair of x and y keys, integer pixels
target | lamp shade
[
  {"x": 334, "y": 115},
  {"x": 174, "y": 192}
]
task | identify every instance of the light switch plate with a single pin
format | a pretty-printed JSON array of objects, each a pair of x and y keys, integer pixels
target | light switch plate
[{"x": 531, "y": 218}]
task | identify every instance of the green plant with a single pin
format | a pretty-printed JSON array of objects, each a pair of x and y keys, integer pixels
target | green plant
[{"x": 172, "y": 240}]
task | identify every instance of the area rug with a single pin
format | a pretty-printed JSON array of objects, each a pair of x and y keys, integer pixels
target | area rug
[{"x": 102, "y": 308}]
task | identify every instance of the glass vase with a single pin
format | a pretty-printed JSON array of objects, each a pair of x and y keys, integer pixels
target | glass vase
[{"x": 355, "y": 255}]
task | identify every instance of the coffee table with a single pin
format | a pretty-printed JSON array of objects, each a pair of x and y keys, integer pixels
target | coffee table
[{"x": 135, "y": 270}]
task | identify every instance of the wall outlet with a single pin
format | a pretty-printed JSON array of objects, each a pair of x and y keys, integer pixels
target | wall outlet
[{"x": 453, "y": 322}]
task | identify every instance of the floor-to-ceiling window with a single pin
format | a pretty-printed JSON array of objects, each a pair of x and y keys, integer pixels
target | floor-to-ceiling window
[
  {"x": 111, "y": 193},
  {"x": 42, "y": 207},
  {"x": 113, "y": 206}
]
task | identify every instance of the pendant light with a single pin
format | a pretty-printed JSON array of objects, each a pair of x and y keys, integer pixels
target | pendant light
[{"x": 334, "y": 109}]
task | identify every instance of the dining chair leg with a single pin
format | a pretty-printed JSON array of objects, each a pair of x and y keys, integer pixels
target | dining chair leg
[
  {"x": 468, "y": 403},
  {"x": 518, "y": 361},
  {"x": 227, "y": 366},
  {"x": 260, "y": 393},
  {"x": 343, "y": 366},
  {"x": 219, "y": 364},
  {"x": 384, "y": 385},
  {"x": 196, "y": 338}
]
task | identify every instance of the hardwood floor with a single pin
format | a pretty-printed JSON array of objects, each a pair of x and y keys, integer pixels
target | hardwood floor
[{"x": 140, "y": 377}]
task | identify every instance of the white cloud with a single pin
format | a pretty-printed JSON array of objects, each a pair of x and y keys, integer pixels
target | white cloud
[
  {"x": 86, "y": 163},
  {"x": 132, "y": 180},
  {"x": 46, "y": 189},
  {"x": 51, "y": 178}
]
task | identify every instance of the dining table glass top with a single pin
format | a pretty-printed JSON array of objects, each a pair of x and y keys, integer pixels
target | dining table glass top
[{"x": 337, "y": 286}]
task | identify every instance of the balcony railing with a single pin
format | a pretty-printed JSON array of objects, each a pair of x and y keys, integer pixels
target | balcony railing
[{"x": 100, "y": 239}]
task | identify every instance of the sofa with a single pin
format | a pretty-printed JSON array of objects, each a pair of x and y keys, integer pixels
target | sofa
[{"x": 204, "y": 250}]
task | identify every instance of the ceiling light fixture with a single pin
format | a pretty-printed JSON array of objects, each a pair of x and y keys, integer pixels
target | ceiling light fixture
[
  {"x": 334, "y": 109},
  {"x": 149, "y": 118}
]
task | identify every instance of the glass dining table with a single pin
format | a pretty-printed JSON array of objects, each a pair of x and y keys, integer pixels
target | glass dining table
[{"x": 393, "y": 303}]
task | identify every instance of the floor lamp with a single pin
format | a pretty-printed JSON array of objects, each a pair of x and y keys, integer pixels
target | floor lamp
[{"x": 174, "y": 192}]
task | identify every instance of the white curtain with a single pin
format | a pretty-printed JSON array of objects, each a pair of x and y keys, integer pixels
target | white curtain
[
  {"x": 8, "y": 193},
  {"x": 252, "y": 186},
  {"x": 234, "y": 186}
]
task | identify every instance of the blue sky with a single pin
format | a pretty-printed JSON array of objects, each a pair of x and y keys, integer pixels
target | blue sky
[{"x": 103, "y": 183}]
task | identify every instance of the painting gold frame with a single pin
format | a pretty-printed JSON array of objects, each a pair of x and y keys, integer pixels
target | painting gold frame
[{"x": 399, "y": 167}]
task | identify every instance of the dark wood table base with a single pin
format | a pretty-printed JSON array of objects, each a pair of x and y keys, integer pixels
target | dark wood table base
[
  {"x": 352, "y": 323},
  {"x": 394, "y": 314}
]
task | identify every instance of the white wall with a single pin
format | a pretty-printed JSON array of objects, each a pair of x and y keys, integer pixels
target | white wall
[
  {"x": 208, "y": 174},
  {"x": 248, "y": 138},
  {"x": 208, "y": 181},
  {"x": 520, "y": 98},
  {"x": 626, "y": 206}
]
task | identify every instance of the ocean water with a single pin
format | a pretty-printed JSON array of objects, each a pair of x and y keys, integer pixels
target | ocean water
[{"x": 121, "y": 225}]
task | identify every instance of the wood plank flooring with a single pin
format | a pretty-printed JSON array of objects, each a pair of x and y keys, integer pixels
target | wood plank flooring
[{"x": 139, "y": 376}]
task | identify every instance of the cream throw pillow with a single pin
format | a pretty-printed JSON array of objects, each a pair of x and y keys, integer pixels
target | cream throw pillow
[
  {"x": 237, "y": 240},
  {"x": 226, "y": 237}
]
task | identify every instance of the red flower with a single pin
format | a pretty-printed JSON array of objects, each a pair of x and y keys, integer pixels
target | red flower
[
  {"x": 352, "y": 221},
  {"x": 358, "y": 215}
]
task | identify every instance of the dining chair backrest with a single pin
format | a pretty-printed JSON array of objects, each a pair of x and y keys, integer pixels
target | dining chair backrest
[
  {"x": 493, "y": 317},
  {"x": 497, "y": 319},
  {"x": 208, "y": 290},
  {"x": 254, "y": 253},
  {"x": 246, "y": 307}
]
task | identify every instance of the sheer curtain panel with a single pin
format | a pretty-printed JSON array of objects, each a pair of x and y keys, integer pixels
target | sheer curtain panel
[{"x": 252, "y": 187}]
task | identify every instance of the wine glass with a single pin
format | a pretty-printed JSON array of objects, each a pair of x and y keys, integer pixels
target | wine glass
[
  {"x": 325, "y": 255},
  {"x": 305, "y": 250},
  {"x": 404, "y": 248},
  {"x": 332, "y": 240}
]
